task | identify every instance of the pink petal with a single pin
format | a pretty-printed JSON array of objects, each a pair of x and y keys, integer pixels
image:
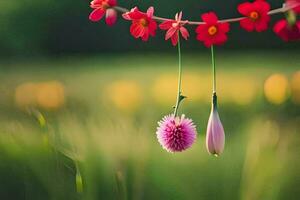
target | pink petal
[
  {"x": 215, "y": 137},
  {"x": 170, "y": 33},
  {"x": 97, "y": 14},
  {"x": 174, "y": 38},
  {"x": 166, "y": 25},
  {"x": 184, "y": 32},
  {"x": 150, "y": 11},
  {"x": 111, "y": 16}
]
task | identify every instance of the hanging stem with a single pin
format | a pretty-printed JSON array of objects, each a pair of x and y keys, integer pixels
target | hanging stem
[
  {"x": 213, "y": 61},
  {"x": 179, "y": 92}
]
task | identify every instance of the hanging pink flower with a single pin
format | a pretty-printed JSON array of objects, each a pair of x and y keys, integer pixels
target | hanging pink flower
[
  {"x": 143, "y": 24},
  {"x": 104, "y": 7},
  {"x": 176, "y": 134},
  {"x": 215, "y": 135},
  {"x": 287, "y": 32},
  {"x": 175, "y": 27}
]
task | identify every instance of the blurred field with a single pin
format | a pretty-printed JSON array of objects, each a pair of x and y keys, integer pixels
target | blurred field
[{"x": 84, "y": 127}]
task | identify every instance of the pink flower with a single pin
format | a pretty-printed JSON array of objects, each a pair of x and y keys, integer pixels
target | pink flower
[
  {"x": 104, "y": 7},
  {"x": 174, "y": 27},
  {"x": 215, "y": 136},
  {"x": 176, "y": 134},
  {"x": 287, "y": 32},
  {"x": 143, "y": 24}
]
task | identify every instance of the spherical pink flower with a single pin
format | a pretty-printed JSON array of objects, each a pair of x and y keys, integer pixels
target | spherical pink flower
[{"x": 176, "y": 134}]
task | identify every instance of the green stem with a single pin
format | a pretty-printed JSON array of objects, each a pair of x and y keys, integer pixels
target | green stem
[
  {"x": 214, "y": 69},
  {"x": 179, "y": 92},
  {"x": 79, "y": 182}
]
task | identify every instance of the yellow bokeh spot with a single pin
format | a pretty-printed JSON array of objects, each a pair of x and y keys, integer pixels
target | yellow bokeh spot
[
  {"x": 50, "y": 95},
  {"x": 164, "y": 89},
  {"x": 47, "y": 95},
  {"x": 126, "y": 95},
  {"x": 25, "y": 95},
  {"x": 295, "y": 86},
  {"x": 236, "y": 88},
  {"x": 276, "y": 89}
]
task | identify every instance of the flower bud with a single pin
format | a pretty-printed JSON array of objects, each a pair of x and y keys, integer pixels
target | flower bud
[{"x": 215, "y": 136}]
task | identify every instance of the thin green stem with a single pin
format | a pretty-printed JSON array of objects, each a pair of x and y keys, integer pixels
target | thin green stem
[
  {"x": 179, "y": 96},
  {"x": 213, "y": 69}
]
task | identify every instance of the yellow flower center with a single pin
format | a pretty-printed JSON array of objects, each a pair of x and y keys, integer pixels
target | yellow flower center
[
  {"x": 143, "y": 22},
  {"x": 175, "y": 24},
  {"x": 212, "y": 30},
  {"x": 254, "y": 15},
  {"x": 105, "y": 5}
]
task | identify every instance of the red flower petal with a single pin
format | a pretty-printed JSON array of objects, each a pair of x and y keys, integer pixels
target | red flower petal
[
  {"x": 247, "y": 24},
  {"x": 166, "y": 25},
  {"x": 136, "y": 30},
  {"x": 287, "y": 33},
  {"x": 224, "y": 27},
  {"x": 150, "y": 12},
  {"x": 112, "y": 3},
  {"x": 174, "y": 38},
  {"x": 261, "y": 6},
  {"x": 145, "y": 36},
  {"x": 245, "y": 8},
  {"x": 262, "y": 25},
  {"x": 97, "y": 14},
  {"x": 209, "y": 18},
  {"x": 170, "y": 33},
  {"x": 184, "y": 32}
]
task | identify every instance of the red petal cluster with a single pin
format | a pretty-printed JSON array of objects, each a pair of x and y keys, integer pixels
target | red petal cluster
[
  {"x": 102, "y": 7},
  {"x": 174, "y": 27},
  {"x": 143, "y": 24},
  {"x": 212, "y": 32},
  {"x": 287, "y": 32},
  {"x": 256, "y": 15}
]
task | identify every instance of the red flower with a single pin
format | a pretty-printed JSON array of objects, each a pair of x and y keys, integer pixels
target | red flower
[
  {"x": 286, "y": 31},
  {"x": 212, "y": 32},
  {"x": 256, "y": 13},
  {"x": 292, "y": 3},
  {"x": 102, "y": 7},
  {"x": 143, "y": 24},
  {"x": 174, "y": 27}
]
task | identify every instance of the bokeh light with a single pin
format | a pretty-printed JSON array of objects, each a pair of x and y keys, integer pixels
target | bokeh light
[
  {"x": 276, "y": 89},
  {"x": 295, "y": 87},
  {"x": 47, "y": 95},
  {"x": 125, "y": 95}
]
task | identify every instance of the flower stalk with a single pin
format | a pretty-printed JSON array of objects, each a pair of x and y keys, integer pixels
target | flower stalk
[
  {"x": 180, "y": 97},
  {"x": 215, "y": 135},
  {"x": 213, "y": 61}
]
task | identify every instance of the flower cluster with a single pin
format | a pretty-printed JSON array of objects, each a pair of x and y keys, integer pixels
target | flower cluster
[
  {"x": 211, "y": 31},
  {"x": 177, "y": 133}
]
